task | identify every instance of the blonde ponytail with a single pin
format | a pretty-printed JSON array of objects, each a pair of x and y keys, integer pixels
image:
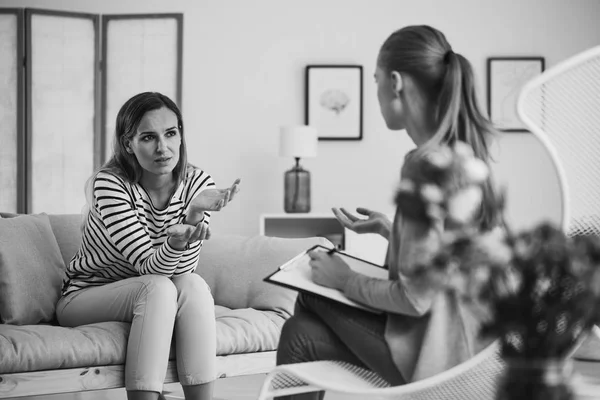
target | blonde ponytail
[{"x": 447, "y": 81}]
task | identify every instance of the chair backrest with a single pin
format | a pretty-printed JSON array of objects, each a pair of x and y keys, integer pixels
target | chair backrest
[{"x": 562, "y": 108}]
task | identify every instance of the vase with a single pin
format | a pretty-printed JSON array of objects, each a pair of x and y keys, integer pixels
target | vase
[{"x": 536, "y": 380}]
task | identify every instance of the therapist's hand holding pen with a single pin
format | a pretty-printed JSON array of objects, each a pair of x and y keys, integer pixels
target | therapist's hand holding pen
[{"x": 328, "y": 269}]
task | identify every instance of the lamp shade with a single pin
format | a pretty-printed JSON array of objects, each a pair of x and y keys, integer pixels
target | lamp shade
[{"x": 298, "y": 141}]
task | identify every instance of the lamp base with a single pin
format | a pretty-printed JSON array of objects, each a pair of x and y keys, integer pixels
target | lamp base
[{"x": 297, "y": 190}]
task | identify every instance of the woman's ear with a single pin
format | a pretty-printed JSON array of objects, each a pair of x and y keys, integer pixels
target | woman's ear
[
  {"x": 397, "y": 83},
  {"x": 127, "y": 145}
]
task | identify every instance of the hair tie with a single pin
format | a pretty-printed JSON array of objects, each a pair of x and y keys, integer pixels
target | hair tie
[{"x": 447, "y": 56}]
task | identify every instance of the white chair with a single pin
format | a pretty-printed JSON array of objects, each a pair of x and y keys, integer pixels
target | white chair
[
  {"x": 474, "y": 379},
  {"x": 561, "y": 107}
]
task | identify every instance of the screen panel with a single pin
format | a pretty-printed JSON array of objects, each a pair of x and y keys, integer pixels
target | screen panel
[
  {"x": 11, "y": 109},
  {"x": 61, "y": 108},
  {"x": 141, "y": 53}
]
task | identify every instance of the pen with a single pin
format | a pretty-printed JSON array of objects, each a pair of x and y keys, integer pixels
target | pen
[{"x": 331, "y": 251}]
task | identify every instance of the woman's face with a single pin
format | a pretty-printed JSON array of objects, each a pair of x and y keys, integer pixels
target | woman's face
[
  {"x": 156, "y": 142},
  {"x": 389, "y": 101}
]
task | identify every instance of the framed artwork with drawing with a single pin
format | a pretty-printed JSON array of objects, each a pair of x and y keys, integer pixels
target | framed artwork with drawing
[
  {"x": 505, "y": 79},
  {"x": 333, "y": 101}
]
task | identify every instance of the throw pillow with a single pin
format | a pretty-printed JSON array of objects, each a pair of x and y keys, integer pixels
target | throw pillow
[{"x": 31, "y": 270}]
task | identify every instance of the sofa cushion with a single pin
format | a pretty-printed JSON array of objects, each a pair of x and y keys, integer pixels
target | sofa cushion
[
  {"x": 247, "y": 330},
  {"x": 234, "y": 267},
  {"x": 31, "y": 270},
  {"x": 67, "y": 230},
  {"x": 42, "y": 347}
]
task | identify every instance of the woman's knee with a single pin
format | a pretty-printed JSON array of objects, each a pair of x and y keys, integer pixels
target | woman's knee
[
  {"x": 193, "y": 285},
  {"x": 297, "y": 336},
  {"x": 289, "y": 341},
  {"x": 159, "y": 286},
  {"x": 190, "y": 282}
]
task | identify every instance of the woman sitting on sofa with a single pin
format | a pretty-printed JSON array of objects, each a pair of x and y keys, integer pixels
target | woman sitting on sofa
[
  {"x": 148, "y": 213},
  {"x": 427, "y": 89}
]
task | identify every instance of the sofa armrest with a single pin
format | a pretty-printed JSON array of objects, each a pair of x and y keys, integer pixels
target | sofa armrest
[{"x": 234, "y": 267}]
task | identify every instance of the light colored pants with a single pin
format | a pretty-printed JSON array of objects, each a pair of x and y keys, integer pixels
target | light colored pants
[{"x": 156, "y": 306}]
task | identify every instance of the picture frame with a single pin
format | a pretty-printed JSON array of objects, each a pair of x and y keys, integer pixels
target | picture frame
[
  {"x": 506, "y": 76},
  {"x": 334, "y": 101}
]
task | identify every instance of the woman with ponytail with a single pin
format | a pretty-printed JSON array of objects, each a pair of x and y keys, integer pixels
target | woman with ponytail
[{"x": 427, "y": 89}]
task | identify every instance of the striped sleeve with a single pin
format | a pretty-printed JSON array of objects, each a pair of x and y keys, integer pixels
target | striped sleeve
[{"x": 116, "y": 211}]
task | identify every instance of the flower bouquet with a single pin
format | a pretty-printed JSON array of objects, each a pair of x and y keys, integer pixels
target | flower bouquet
[{"x": 541, "y": 286}]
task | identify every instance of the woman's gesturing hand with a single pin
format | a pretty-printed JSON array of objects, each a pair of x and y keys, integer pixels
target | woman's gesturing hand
[
  {"x": 181, "y": 234},
  {"x": 376, "y": 222},
  {"x": 215, "y": 199}
]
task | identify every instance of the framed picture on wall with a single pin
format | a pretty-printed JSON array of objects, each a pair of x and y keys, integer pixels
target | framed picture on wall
[
  {"x": 505, "y": 79},
  {"x": 333, "y": 101}
]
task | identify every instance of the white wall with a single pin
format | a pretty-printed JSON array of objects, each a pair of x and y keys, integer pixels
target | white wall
[{"x": 244, "y": 77}]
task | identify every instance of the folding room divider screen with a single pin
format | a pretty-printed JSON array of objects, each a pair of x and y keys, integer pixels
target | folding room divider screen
[
  {"x": 141, "y": 53},
  {"x": 61, "y": 54},
  {"x": 11, "y": 107},
  {"x": 63, "y": 93}
]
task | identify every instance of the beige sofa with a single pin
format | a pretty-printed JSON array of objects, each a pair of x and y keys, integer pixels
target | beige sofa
[{"x": 42, "y": 358}]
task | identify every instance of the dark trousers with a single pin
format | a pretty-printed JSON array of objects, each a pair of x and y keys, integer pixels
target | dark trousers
[{"x": 326, "y": 330}]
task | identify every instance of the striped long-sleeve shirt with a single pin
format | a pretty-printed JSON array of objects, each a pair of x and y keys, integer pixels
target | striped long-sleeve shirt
[{"x": 125, "y": 235}]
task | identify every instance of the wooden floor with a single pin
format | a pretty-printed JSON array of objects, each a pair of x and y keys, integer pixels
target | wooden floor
[
  {"x": 240, "y": 388},
  {"x": 244, "y": 387},
  {"x": 247, "y": 387}
]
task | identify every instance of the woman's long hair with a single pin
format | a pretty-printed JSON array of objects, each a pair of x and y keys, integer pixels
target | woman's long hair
[
  {"x": 125, "y": 164},
  {"x": 446, "y": 78}
]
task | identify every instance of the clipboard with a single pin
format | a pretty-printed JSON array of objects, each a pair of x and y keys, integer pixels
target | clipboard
[{"x": 296, "y": 275}]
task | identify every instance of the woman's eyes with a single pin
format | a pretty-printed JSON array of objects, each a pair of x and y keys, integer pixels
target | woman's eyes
[{"x": 148, "y": 138}]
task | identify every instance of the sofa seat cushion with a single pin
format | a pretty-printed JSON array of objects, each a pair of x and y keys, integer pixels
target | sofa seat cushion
[
  {"x": 247, "y": 330},
  {"x": 42, "y": 347}
]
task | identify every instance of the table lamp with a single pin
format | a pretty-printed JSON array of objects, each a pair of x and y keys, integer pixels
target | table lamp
[{"x": 298, "y": 142}]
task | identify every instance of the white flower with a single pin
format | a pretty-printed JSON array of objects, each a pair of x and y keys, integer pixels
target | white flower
[
  {"x": 463, "y": 204},
  {"x": 494, "y": 246},
  {"x": 463, "y": 150},
  {"x": 458, "y": 282},
  {"x": 406, "y": 185},
  {"x": 432, "y": 193},
  {"x": 441, "y": 158},
  {"x": 542, "y": 286},
  {"x": 521, "y": 248},
  {"x": 481, "y": 274},
  {"x": 476, "y": 170}
]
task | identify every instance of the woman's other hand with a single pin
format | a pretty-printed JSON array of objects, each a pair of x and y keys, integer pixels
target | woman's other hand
[
  {"x": 328, "y": 270},
  {"x": 181, "y": 234},
  {"x": 376, "y": 222},
  {"x": 215, "y": 199}
]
